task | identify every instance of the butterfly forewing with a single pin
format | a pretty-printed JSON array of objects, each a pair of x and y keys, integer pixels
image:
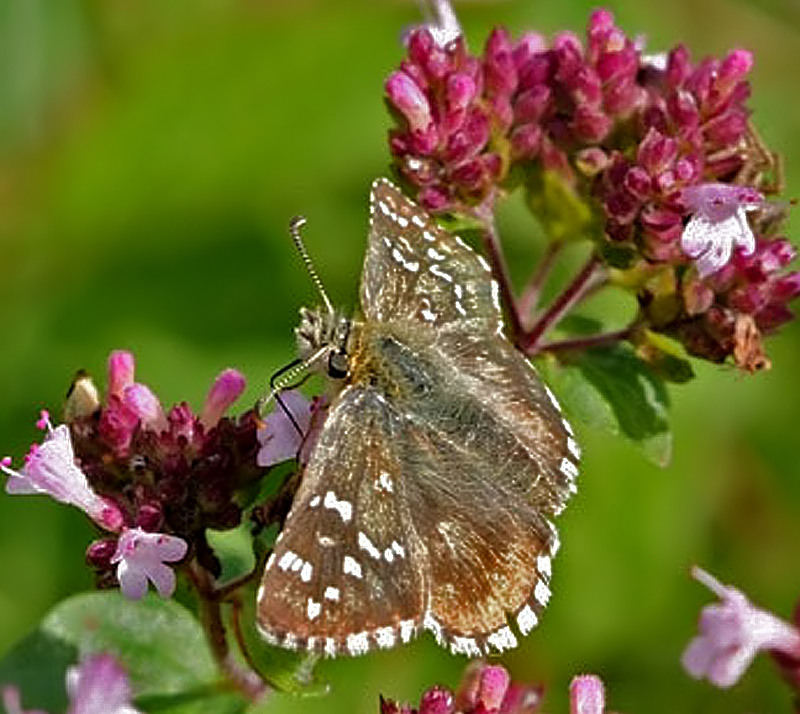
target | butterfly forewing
[
  {"x": 427, "y": 497},
  {"x": 415, "y": 270}
]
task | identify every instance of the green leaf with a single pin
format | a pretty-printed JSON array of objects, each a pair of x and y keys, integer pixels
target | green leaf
[
  {"x": 159, "y": 642},
  {"x": 285, "y": 670},
  {"x": 612, "y": 389},
  {"x": 37, "y": 666}
]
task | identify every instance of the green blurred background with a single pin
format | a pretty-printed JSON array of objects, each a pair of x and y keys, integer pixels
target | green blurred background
[{"x": 151, "y": 154}]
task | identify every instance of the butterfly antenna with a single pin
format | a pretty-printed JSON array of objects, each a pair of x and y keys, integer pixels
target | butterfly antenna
[
  {"x": 294, "y": 229},
  {"x": 283, "y": 379}
]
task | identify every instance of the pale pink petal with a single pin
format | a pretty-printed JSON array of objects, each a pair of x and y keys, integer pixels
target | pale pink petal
[
  {"x": 732, "y": 633},
  {"x": 99, "y": 685},
  {"x": 227, "y": 388},
  {"x": 587, "y": 695},
  {"x": 140, "y": 557},
  {"x": 278, "y": 437},
  {"x": 146, "y": 405}
]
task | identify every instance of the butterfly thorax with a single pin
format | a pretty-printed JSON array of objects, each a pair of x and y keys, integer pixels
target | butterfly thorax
[{"x": 327, "y": 338}]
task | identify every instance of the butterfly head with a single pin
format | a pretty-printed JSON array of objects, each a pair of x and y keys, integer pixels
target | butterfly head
[{"x": 323, "y": 337}]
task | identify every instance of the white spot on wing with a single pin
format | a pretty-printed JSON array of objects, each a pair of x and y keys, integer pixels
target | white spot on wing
[
  {"x": 286, "y": 560},
  {"x": 314, "y": 502},
  {"x": 306, "y": 571},
  {"x": 313, "y": 609},
  {"x": 568, "y": 427},
  {"x": 397, "y": 548},
  {"x": 544, "y": 566},
  {"x": 366, "y": 544},
  {"x": 574, "y": 449},
  {"x": 331, "y": 593},
  {"x": 434, "y": 254},
  {"x": 431, "y": 624},
  {"x": 418, "y": 220},
  {"x": 385, "y": 637},
  {"x": 270, "y": 560},
  {"x": 330, "y": 647},
  {"x": 384, "y": 482},
  {"x": 502, "y": 639},
  {"x": 568, "y": 468},
  {"x": 436, "y": 270},
  {"x": 406, "y": 630},
  {"x": 541, "y": 592},
  {"x": 466, "y": 646},
  {"x": 352, "y": 567},
  {"x": 358, "y": 643},
  {"x": 389, "y": 555},
  {"x": 344, "y": 507},
  {"x": 552, "y": 397},
  {"x": 526, "y": 619}
]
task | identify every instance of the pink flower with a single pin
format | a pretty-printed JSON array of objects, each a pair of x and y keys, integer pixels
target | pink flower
[
  {"x": 121, "y": 366},
  {"x": 141, "y": 556},
  {"x": 227, "y": 388},
  {"x": 587, "y": 695},
  {"x": 732, "y": 632},
  {"x": 278, "y": 436},
  {"x": 718, "y": 224},
  {"x": 99, "y": 685},
  {"x": 50, "y": 468}
]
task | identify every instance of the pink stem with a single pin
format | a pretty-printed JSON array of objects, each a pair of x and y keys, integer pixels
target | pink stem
[
  {"x": 583, "y": 343},
  {"x": 530, "y": 295},
  {"x": 562, "y": 305},
  {"x": 494, "y": 251}
]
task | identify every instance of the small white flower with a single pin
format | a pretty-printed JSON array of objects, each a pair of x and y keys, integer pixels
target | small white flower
[
  {"x": 718, "y": 224},
  {"x": 141, "y": 556}
]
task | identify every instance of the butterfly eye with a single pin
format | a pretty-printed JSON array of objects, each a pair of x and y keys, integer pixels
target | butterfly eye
[{"x": 337, "y": 365}]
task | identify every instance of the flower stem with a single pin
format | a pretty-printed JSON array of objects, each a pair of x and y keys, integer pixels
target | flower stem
[
  {"x": 583, "y": 343},
  {"x": 530, "y": 295},
  {"x": 494, "y": 251},
  {"x": 561, "y": 306},
  {"x": 243, "y": 679}
]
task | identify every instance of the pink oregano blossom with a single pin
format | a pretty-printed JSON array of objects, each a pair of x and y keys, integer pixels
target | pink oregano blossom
[
  {"x": 50, "y": 469},
  {"x": 718, "y": 224},
  {"x": 278, "y": 436},
  {"x": 98, "y": 685},
  {"x": 587, "y": 695},
  {"x": 732, "y": 633},
  {"x": 140, "y": 556}
]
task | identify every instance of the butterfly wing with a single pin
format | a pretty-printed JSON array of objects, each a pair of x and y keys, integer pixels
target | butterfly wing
[
  {"x": 342, "y": 578},
  {"x": 415, "y": 270}
]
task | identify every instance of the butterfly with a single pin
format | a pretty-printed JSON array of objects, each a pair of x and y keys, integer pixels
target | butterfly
[{"x": 427, "y": 498}]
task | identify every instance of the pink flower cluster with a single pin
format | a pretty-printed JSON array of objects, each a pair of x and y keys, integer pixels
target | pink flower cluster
[
  {"x": 658, "y": 151},
  {"x": 154, "y": 479},
  {"x": 488, "y": 689}
]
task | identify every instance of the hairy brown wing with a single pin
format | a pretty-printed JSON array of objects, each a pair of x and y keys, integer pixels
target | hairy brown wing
[
  {"x": 415, "y": 270},
  {"x": 344, "y": 575}
]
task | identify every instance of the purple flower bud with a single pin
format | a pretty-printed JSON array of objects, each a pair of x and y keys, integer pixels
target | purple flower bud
[
  {"x": 525, "y": 141},
  {"x": 470, "y": 140},
  {"x": 406, "y": 96},
  {"x": 678, "y": 66},
  {"x": 461, "y": 90},
  {"x": 12, "y": 702},
  {"x": 637, "y": 182},
  {"x": 726, "y": 129},
  {"x": 150, "y": 516},
  {"x": 591, "y": 161},
  {"x": 227, "y": 388},
  {"x": 732, "y": 632},
  {"x": 532, "y": 103},
  {"x": 500, "y": 73},
  {"x": 436, "y": 701},
  {"x": 100, "y": 552},
  {"x": 587, "y": 695},
  {"x": 590, "y": 124},
  {"x": 697, "y": 297},
  {"x": 527, "y": 46},
  {"x": 435, "y": 198},
  {"x": 735, "y": 67},
  {"x": 121, "y": 367},
  {"x": 493, "y": 687},
  {"x": 656, "y": 152},
  {"x": 141, "y": 401},
  {"x": 141, "y": 557},
  {"x": 621, "y": 207}
]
